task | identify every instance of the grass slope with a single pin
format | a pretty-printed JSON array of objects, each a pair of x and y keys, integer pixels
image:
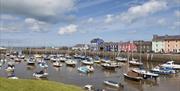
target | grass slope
[{"x": 34, "y": 85}]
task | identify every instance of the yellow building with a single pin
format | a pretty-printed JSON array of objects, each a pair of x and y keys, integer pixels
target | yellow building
[{"x": 172, "y": 44}]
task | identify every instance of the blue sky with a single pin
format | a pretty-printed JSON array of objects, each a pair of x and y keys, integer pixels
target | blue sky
[{"x": 69, "y": 22}]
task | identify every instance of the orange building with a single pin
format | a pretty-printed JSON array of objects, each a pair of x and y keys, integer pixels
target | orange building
[{"x": 172, "y": 44}]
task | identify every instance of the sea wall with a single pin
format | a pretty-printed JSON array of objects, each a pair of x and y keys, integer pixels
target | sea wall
[{"x": 144, "y": 56}]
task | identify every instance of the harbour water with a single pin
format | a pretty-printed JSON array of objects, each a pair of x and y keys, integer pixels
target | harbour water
[{"x": 70, "y": 75}]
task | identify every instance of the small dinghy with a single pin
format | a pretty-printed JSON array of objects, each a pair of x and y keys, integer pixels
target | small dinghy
[
  {"x": 70, "y": 62},
  {"x": 112, "y": 83},
  {"x": 40, "y": 74},
  {"x": 57, "y": 64}
]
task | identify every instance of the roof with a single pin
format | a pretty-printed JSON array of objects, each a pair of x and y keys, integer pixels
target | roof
[
  {"x": 166, "y": 37},
  {"x": 97, "y": 40}
]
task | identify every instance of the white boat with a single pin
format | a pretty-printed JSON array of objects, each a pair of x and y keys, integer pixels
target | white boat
[
  {"x": 10, "y": 69},
  {"x": 53, "y": 59},
  {"x": 146, "y": 74},
  {"x": 135, "y": 63},
  {"x": 57, "y": 64},
  {"x": 105, "y": 61},
  {"x": 31, "y": 62},
  {"x": 90, "y": 68},
  {"x": 62, "y": 59},
  {"x": 109, "y": 65},
  {"x": 171, "y": 64},
  {"x": 86, "y": 69},
  {"x": 40, "y": 74},
  {"x": 17, "y": 59},
  {"x": 163, "y": 70},
  {"x": 12, "y": 77},
  {"x": 71, "y": 62},
  {"x": 43, "y": 65},
  {"x": 112, "y": 83},
  {"x": 89, "y": 87},
  {"x": 121, "y": 59},
  {"x": 87, "y": 62}
]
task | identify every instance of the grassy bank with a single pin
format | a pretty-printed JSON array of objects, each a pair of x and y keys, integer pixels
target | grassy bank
[{"x": 34, "y": 85}]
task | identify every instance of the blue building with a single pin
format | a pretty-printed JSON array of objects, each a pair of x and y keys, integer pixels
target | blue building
[{"x": 95, "y": 44}]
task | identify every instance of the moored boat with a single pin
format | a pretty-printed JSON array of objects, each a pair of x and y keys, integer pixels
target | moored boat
[
  {"x": 40, "y": 74},
  {"x": 112, "y": 83},
  {"x": 70, "y": 62},
  {"x": 171, "y": 64}
]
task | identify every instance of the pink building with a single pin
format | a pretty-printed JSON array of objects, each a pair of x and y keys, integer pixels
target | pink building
[{"x": 127, "y": 47}]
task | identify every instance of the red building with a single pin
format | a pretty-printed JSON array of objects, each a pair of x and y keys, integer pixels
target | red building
[{"x": 127, "y": 47}]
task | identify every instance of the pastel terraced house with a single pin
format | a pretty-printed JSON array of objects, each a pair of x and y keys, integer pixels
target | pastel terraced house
[{"x": 166, "y": 44}]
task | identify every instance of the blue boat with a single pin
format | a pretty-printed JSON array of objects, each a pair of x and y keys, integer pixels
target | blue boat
[{"x": 163, "y": 70}]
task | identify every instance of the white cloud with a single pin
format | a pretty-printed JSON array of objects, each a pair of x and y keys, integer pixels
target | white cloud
[
  {"x": 68, "y": 29},
  {"x": 143, "y": 10},
  {"x": 38, "y": 9},
  {"x": 90, "y": 20},
  {"x": 109, "y": 18},
  {"x": 176, "y": 25},
  {"x": 161, "y": 21},
  {"x": 36, "y": 25},
  {"x": 7, "y": 17},
  {"x": 177, "y": 13}
]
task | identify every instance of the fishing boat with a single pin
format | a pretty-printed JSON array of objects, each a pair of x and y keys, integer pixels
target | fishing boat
[
  {"x": 90, "y": 68},
  {"x": 146, "y": 74},
  {"x": 109, "y": 65},
  {"x": 40, "y": 74},
  {"x": 70, "y": 62},
  {"x": 112, "y": 83},
  {"x": 163, "y": 70},
  {"x": 121, "y": 59},
  {"x": 57, "y": 64},
  {"x": 87, "y": 62},
  {"x": 171, "y": 64}
]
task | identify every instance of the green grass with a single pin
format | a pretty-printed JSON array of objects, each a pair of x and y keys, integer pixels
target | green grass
[{"x": 34, "y": 85}]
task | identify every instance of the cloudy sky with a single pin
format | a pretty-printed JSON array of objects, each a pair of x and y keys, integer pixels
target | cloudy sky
[{"x": 68, "y": 22}]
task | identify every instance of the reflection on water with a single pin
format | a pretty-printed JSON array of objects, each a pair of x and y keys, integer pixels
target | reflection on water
[{"x": 70, "y": 75}]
